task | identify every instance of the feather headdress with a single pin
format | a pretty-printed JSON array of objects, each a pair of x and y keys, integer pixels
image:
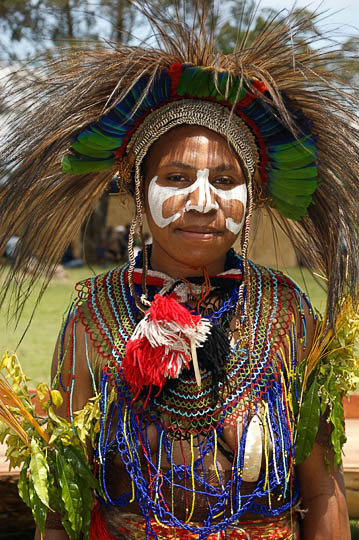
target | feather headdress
[{"x": 83, "y": 107}]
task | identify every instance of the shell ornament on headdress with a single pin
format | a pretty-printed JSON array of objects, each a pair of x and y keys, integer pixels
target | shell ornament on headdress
[{"x": 94, "y": 114}]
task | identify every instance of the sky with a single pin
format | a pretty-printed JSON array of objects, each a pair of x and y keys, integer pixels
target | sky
[
  {"x": 340, "y": 12},
  {"x": 341, "y": 18}
]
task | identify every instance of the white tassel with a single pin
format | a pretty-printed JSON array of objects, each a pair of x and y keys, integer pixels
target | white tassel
[{"x": 183, "y": 340}]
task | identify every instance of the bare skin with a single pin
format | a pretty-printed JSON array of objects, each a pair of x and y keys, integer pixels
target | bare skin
[
  {"x": 323, "y": 494},
  {"x": 182, "y": 249}
]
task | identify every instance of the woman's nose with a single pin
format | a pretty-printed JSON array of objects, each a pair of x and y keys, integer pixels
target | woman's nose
[{"x": 202, "y": 199}]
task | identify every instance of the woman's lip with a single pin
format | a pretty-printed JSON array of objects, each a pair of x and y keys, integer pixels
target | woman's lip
[{"x": 198, "y": 232}]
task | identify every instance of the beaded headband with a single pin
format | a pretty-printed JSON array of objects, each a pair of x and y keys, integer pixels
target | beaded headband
[
  {"x": 213, "y": 116},
  {"x": 286, "y": 162}
]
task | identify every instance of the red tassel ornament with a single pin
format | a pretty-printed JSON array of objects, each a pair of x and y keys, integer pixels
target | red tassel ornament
[
  {"x": 163, "y": 343},
  {"x": 98, "y": 526}
]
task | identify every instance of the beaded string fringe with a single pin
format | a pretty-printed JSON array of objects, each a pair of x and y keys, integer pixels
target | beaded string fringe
[{"x": 109, "y": 314}]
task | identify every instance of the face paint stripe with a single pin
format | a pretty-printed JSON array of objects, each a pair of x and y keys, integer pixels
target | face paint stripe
[
  {"x": 158, "y": 195},
  {"x": 234, "y": 227},
  {"x": 204, "y": 203}
]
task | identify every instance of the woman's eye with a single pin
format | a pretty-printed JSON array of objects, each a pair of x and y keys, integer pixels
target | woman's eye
[
  {"x": 177, "y": 178},
  {"x": 223, "y": 181}
]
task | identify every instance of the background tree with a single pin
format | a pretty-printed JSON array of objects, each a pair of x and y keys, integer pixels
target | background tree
[
  {"x": 28, "y": 28},
  {"x": 246, "y": 21},
  {"x": 31, "y": 28}
]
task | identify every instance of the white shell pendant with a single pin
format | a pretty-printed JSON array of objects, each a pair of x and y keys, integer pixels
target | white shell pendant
[{"x": 253, "y": 451}]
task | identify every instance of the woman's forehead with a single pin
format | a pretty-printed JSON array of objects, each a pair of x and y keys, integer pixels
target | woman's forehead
[{"x": 193, "y": 146}]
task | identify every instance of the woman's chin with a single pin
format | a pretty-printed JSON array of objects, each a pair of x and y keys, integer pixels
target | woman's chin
[{"x": 188, "y": 253}]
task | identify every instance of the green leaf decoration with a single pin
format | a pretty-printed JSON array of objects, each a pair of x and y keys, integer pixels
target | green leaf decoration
[
  {"x": 22, "y": 484},
  {"x": 4, "y": 431},
  {"x": 70, "y": 493},
  {"x": 308, "y": 423},
  {"x": 60, "y": 448},
  {"x": 38, "y": 508},
  {"x": 87, "y": 498},
  {"x": 332, "y": 367},
  {"x": 74, "y": 456},
  {"x": 39, "y": 471},
  {"x": 56, "y": 398},
  {"x": 337, "y": 436}
]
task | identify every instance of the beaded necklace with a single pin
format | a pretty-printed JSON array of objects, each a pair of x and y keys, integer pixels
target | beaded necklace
[{"x": 184, "y": 412}]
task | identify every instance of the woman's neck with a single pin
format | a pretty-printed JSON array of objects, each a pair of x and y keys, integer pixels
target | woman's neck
[{"x": 162, "y": 262}]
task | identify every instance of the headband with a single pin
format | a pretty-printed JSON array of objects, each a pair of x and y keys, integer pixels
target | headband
[{"x": 200, "y": 113}]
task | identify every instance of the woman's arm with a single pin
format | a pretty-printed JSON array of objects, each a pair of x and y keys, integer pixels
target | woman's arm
[
  {"x": 322, "y": 488},
  {"x": 82, "y": 391},
  {"x": 323, "y": 498},
  {"x": 51, "y": 534}
]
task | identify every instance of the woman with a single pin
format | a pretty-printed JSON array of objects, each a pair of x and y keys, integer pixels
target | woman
[{"x": 196, "y": 351}]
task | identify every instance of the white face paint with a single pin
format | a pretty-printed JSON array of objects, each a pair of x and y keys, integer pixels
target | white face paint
[{"x": 207, "y": 199}]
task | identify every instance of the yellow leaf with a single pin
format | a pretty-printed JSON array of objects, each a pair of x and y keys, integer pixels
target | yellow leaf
[
  {"x": 42, "y": 391},
  {"x": 56, "y": 398}
]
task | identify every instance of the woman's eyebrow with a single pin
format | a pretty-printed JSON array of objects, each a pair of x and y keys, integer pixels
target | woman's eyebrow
[
  {"x": 219, "y": 168},
  {"x": 178, "y": 164},
  {"x": 223, "y": 167}
]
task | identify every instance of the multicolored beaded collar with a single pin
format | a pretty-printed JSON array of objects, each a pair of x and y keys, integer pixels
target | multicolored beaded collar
[{"x": 260, "y": 390}]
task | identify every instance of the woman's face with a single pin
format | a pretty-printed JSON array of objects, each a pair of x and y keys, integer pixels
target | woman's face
[{"x": 195, "y": 199}]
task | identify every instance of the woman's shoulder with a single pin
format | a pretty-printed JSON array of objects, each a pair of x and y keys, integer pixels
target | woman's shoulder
[
  {"x": 95, "y": 287},
  {"x": 103, "y": 307},
  {"x": 282, "y": 298},
  {"x": 277, "y": 285}
]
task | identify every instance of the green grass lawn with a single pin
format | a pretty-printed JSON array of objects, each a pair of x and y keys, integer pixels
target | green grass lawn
[
  {"x": 36, "y": 348},
  {"x": 354, "y": 529}
]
